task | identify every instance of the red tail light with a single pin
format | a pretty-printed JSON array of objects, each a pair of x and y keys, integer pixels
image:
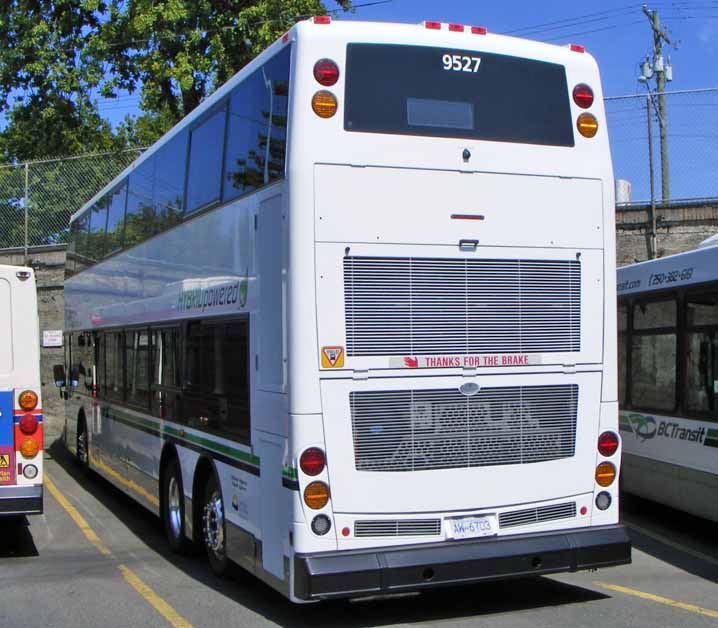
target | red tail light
[
  {"x": 583, "y": 95},
  {"x": 28, "y": 424},
  {"x": 607, "y": 444},
  {"x": 326, "y": 72},
  {"x": 312, "y": 461}
]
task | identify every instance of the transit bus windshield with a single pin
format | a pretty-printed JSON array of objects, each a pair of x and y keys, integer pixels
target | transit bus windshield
[{"x": 444, "y": 92}]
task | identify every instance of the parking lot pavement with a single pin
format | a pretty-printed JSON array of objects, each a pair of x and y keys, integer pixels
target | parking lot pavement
[{"x": 95, "y": 558}]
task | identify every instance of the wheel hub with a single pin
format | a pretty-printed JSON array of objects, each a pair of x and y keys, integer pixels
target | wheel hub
[{"x": 213, "y": 519}]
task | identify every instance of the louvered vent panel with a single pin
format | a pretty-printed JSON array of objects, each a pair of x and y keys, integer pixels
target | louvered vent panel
[
  {"x": 418, "y": 306},
  {"x": 398, "y": 527},
  {"x": 410, "y": 430},
  {"x": 537, "y": 515}
]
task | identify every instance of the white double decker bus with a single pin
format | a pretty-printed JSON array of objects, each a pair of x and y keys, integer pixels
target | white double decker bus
[
  {"x": 351, "y": 323},
  {"x": 21, "y": 433}
]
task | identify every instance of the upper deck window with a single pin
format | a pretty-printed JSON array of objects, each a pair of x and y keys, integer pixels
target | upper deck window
[{"x": 444, "y": 92}]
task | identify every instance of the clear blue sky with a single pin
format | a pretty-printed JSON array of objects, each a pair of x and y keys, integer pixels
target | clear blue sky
[{"x": 618, "y": 34}]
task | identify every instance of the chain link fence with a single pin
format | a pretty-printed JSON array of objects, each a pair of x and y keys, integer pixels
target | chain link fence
[
  {"x": 684, "y": 162},
  {"x": 37, "y": 198}
]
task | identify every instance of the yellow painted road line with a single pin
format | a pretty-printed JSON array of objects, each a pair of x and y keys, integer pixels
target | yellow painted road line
[
  {"x": 164, "y": 609},
  {"x": 677, "y": 546},
  {"x": 691, "y": 608},
  {"x": 77, "y": 517}
]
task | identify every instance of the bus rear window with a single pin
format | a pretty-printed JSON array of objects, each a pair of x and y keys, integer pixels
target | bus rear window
[{"x": 443, "y": 92}]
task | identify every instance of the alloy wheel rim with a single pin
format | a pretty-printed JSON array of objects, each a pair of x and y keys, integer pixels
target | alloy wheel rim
[
  {"x": 174, "y": 507},
  {"x": 214, "y": 524}
]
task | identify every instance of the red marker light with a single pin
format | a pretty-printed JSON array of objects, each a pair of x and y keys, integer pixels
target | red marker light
[
  {"x": 577, "y": 48},
  {"x": 456, "y": 28},
  {"x": 28, "y": 424},
  {"x": 322, "y": 19},
  {"x": 478, "y": 30},
  {"x": 607, "y": 444},
  {"x": 285, "y": 38},
  {"x": 433, "y": 25},
  {"x": 583, "y": 95},
  {"x": 312, "y": 461},
  {"x": 584, "y": 510},
  {"x": 345, "y": 531},
  {"x": 326, "y": 72}
]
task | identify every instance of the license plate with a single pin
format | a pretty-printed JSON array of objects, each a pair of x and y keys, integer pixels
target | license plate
[{"x": 471, "y": 527}]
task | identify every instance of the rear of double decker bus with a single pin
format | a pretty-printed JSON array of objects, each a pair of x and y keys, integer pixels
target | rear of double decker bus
[
  {"x": 452, "y": 360},
  {"x": 21, "y": 440}
]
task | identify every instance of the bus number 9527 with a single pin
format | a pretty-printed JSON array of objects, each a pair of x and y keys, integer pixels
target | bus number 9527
[{"x": 458, "y": 63}]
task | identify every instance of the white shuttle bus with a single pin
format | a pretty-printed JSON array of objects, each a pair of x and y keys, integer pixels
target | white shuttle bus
[
  {"x": 668, "y": 379},
  {"x": 351, "y": 323},
  {"x": 21, "y": 442}
]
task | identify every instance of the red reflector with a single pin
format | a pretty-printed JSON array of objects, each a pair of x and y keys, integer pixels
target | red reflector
[
  {"x": 456, "y": 28},
  {"x": 322, "y": 19},
  {"x": 583, "y": 95},
  {"x": 478, "y": 30},
  {"x": 433, "y": 25},
  {"x": 312, "y": 461},
  {"x": 607, "y": 444},
  {"x": 345, "y": 531},
  {"x": 326, "y": 72},
  {"x": 285, "y": 38},
  {"x": 584, "y": 510},
  {"x": 28, "y": 424},
  {"x": 577, "y": 48}
]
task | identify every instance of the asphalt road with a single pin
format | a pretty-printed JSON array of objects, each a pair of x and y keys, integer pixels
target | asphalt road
[{"x": 95, "y": 558}]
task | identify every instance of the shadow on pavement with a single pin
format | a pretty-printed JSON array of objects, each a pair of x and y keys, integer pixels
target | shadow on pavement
[
  {"x": 657, "y": 529},
  {"x": 244, "y": 589},
  {"x": 16, "y": 539}
]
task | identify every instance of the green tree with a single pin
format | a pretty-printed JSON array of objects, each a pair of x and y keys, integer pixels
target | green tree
[
  {"x": 47, "y": 78},
  {"x": 178, "y": 51}
]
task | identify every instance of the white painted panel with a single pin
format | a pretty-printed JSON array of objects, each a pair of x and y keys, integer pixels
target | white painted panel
[
  {"x": 6, "y": 331},
  {"x": 416, "y": 206},
  {"x": 274, "y": 501}
]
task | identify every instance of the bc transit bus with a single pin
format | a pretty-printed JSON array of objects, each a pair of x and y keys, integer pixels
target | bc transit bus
[
  {"x": 351, "y": 323},
  {"x": 668, "y": 379},
  {"x": 21, "y": 442}
]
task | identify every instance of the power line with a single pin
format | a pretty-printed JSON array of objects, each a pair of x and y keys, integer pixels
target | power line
[{"x": 573, "y": 21}]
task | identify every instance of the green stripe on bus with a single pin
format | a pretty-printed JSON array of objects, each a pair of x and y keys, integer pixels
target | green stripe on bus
[{"x": 237, "y": 454}]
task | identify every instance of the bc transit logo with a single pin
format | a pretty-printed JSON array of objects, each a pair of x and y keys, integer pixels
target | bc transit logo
[{"x": 644, "y": 427}]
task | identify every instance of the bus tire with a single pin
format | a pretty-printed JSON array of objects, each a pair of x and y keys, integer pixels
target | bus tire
[
  {"x": 214, "y": 536},
  {"x": 83, "y": 444},
  {"x": 173, "y": 513}
]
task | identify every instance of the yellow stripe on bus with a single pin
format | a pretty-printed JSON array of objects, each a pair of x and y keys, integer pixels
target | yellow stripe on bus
[{"x": 128, "y": 484}]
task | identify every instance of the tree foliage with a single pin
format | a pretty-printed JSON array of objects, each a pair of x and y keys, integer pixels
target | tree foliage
[{"x": 178, "y": 51}]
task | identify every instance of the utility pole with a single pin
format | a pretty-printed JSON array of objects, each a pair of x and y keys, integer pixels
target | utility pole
[{"x": 663, "y": 73}]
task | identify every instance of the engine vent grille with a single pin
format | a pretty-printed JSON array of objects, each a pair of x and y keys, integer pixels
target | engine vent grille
[
  {"x": 537, "y": 515},
  {"x": 398, "y": 527},
  {"x": 423, "y": 306},
  {"x": 410, "y": 430}
]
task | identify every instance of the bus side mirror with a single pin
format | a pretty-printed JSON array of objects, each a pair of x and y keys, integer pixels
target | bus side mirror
[{"x": 58, "y": 374}]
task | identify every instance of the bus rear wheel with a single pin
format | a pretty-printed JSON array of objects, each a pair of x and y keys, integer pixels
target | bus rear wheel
[
  {"x": 173, "y": 507},
  {"x": 213, "y": 527}
]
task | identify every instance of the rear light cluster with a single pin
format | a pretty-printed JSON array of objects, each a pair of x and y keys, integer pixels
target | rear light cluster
[
  {"x": 455, "y": 28},
  {"x": 28, "y": 437},
  {"x": 606, "y": 471},
  {"x": 587, "y": 124},
  {"x": 316, "y": 494},
  {"x": 324, "y": 102}
]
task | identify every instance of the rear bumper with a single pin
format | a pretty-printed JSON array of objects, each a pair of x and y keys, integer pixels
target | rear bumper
[
  {"x": 416, "y": 567},
  {"x": 20, "y": 500}
]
